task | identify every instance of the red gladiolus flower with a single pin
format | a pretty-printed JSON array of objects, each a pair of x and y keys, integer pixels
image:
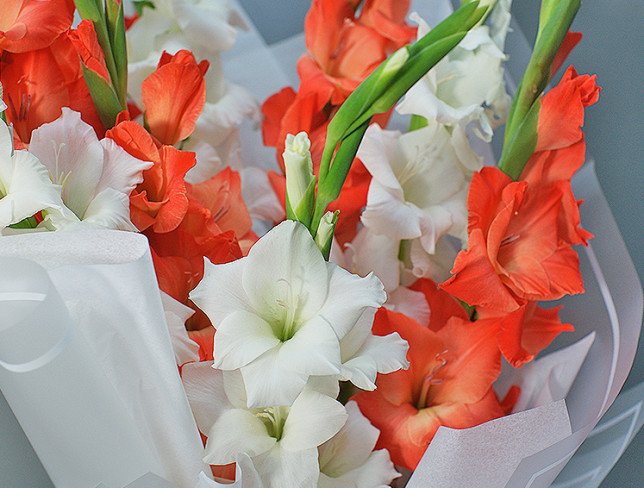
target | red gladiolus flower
[
  {"x": 515, "y": 248},
  {"x": 174, "y": 96},
  {"x": 449, "y": 382},
  {"x": 37, "y": 84},
  {"x": 29, "y": 25},
  {"x": 345, "y": 48},
  {"x": 160, "y": 201}
]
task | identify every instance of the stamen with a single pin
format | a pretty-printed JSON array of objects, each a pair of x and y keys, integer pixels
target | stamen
[
  {"x": 510, "y": 239},
  {"x": 431, "y": 380}
]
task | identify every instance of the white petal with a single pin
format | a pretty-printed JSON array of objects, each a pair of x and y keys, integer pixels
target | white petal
[
  {"x": 377, "y": 355},
  {"x": 206, "y": 393},
  {"x": 235, "y": 432},
  {"x": 327, "y": 385},
  {"x": 220, "y": 292},
  {"x": 221, "y": 117},
  {"x": 377, "y": 472},
  {"x": 259, "y": 195},
  {"x": 271, "y": 382},
  {"x": 121, "y": 171},
  {"x": 280, "y": 468},
  {"x": 391, "y": 215},
  {"x": 235, "y": 388},
  {"x": 242, "y": 337},
  {"x": 342, "y": 313},
  {"x": 313, "y": 350},
  {"x": 286, "y": 273},
  {"x": 70, "y": 150},
  {"x": 356, "y": 337},
  {"x": 246, "y": 476},
  {"x": 378, "y": 253},
  {"x": 409, "y": 302},
  {"x": 203, "y": 27},
  {"x": 176, "y": 313},
  {"x": 25, "y": 188},
  {"x": 110, "y": 209},
  {"x": 351, "y": 446},
  {"x": 312, "y": 420},
  {"x": 379, "y": 153}
]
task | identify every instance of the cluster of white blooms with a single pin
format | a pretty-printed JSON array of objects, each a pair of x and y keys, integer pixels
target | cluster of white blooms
[
  {"x": 289, "y": 327},
  {"x": 207, "y": 28},
  {"x": 416, "y": 211},
  {"x": 69, "y": 175}
]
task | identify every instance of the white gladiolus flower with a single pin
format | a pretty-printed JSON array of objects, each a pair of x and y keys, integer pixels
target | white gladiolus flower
[
  {"x": 25, "y": 186},
  {"x": 96, "y": 177},
  {"x": 281, "y": 441},
  {"x": 281, "y": 313},
  {"x": 420, "y": 183},
  {"x": 348, "y": 459},
  {"x": 466, "y": 86}
]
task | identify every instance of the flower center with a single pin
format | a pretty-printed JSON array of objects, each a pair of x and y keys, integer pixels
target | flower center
[
  {"x": 274, "y": 419},
  {"x": 291, "y": 304},
  {"x": 431, "y": 380}
]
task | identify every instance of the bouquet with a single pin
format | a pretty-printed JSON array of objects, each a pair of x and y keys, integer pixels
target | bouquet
[{"x": 364, "y": 306}]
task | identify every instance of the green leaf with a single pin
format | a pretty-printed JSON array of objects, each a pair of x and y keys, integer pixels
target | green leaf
[
  {"x": 116, "y": 29},
  {"x": 106, "y": 102},
  {"x": 28, "y": 223}
]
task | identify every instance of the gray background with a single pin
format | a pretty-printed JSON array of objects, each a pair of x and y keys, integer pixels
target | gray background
[{"x": 612, "y": 47}]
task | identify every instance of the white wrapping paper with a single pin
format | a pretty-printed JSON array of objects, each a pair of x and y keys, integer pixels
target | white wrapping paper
[{"x": 107, "y": 281}]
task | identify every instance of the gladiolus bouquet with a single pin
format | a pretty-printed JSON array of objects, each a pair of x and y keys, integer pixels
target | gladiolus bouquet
[{"x": 336, "y": 316}]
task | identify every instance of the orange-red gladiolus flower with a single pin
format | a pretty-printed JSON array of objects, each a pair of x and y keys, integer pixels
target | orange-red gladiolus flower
[
  {"x": 160, "y": 201},
  {"x": 521, "y": 335},
  {"x": 344, "y": 48},
  {"x": 174, "y": 96},
  {"x": 449, "y": 382},
  {"x": 515, "y": 248},
  {"x": 29, "y": 25},
  {"x": 37, "y": 84},
  {"x": 561, "y": 148}
]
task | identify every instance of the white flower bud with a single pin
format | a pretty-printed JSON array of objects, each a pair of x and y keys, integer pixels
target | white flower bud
[{"x": 299, "y": 167}]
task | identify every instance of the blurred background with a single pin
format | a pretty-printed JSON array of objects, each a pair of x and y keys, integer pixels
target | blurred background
[{"x": 612, "y": 47}]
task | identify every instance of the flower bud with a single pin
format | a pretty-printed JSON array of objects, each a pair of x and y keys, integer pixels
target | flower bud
[
  {"x": 324, "y": 235},
  {"x": 299, "y": 168}
]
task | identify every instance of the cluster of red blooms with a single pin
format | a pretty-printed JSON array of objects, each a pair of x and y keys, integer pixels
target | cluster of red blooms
[{"x": 41, "y": 60}]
